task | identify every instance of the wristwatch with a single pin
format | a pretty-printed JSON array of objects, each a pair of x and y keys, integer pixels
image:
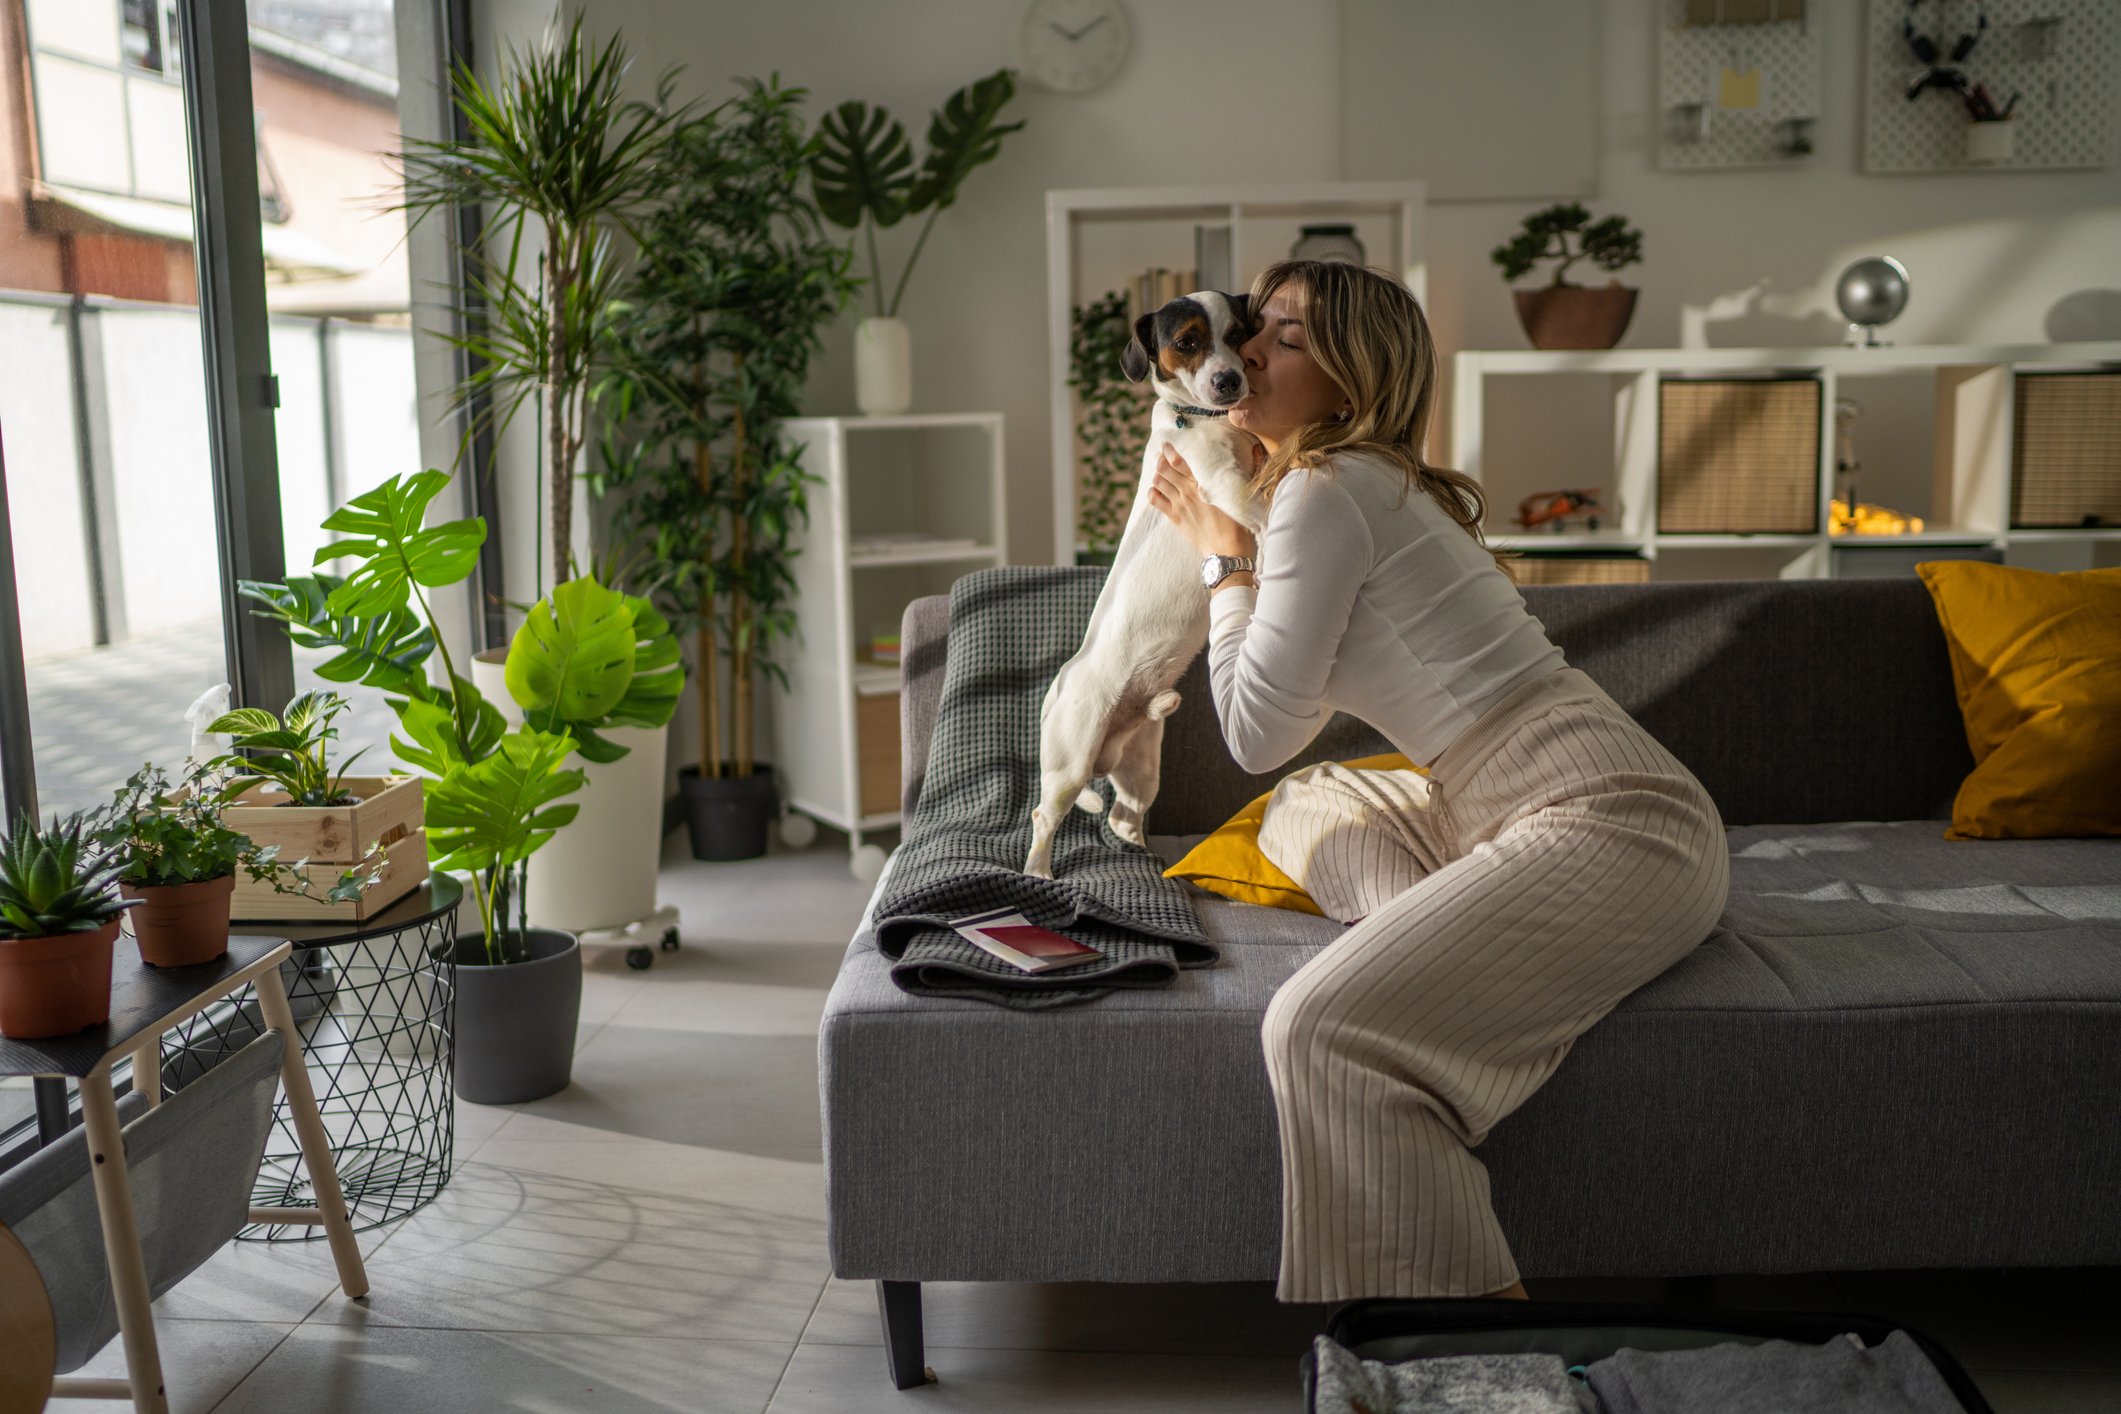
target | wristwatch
[{"x": 1214, "y": 569}]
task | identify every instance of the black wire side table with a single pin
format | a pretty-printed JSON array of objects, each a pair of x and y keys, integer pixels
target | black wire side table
[{"x": 375, "y": 1002}]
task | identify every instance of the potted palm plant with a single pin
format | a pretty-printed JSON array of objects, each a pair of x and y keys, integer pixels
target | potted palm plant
[
  {"x": 179, "y": 859},
  {"x": 1561, "y": 314},
  {"x": 865, "y": 178},
  {"x": 495, "y": 793},
  {"x": 59, "y": 909},
  {"x": 712, "y": 344},
  {"x": 552, "y": 147}
]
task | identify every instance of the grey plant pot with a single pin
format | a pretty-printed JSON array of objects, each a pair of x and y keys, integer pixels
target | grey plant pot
[{"x": 516, "y": 1021}]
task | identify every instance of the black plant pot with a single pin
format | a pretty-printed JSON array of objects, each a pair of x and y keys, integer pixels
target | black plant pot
[
  {"x": 728, "y": 816},
  {"x": 1099, "y": 559},
  {"x": 516, "y": 1020}
]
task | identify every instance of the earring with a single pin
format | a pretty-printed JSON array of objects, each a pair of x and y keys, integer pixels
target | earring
[{"x": 1344, "y": 414}]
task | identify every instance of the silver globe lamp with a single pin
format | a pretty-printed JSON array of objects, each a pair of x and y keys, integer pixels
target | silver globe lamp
[{"x": 1871, "y": 292}]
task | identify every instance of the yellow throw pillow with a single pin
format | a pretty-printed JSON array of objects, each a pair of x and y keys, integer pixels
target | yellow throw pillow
[
  {"x": 1229, "y": 863},
  {"x": 2036, "y": 660}
]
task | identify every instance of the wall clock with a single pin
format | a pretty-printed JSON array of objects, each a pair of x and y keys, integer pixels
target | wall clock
[{"x": 1073, "y": 46}]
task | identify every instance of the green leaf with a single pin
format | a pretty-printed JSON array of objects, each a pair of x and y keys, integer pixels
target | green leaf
[
  {"x": 962, "y": 136},
  {"x": 863, "y": 163},
  {"x": 385, "y": 533},
  {"x": 499, "y": 811},
  {"x": 430, "y": 742},
  {"x": 382, "y": 650},
  {"x": 573, "y": 657}
]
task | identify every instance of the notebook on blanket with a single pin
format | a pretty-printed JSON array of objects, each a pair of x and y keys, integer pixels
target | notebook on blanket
[{"x": 1011, "y": 629}]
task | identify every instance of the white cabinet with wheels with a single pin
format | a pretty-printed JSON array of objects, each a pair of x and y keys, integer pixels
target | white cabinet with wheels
[{"x": 905, "y": 506}]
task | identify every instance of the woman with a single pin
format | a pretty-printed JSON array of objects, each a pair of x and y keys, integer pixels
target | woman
[{"x": 1554, "y": 858}]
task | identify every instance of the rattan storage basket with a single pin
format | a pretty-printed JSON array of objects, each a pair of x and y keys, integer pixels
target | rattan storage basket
[
  {"x": 1738, "y": 455},
  {"x": 1579, "y": 569},
  {"x": 2066, "y": 450}
]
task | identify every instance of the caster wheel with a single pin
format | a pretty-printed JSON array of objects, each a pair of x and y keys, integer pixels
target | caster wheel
[
  {"x": 798, "y": 831},
  {"x": 868, "y": 863},
  {"x": 670, "y": 940},
  {"x": 640, "y": 959}
]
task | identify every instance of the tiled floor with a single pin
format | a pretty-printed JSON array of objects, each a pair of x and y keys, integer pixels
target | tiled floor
[{"x": 653, "y": 1239}]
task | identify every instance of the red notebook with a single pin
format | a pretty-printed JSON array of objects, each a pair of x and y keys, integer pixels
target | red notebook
[{"x": 1021, "y": 943}]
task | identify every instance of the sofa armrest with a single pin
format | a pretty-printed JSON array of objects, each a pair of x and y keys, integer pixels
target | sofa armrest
[{"x": 924, "y": 639}]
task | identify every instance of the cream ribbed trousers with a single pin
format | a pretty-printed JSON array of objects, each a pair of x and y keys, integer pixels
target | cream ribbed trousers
[{"x": 1555, "y": 859}]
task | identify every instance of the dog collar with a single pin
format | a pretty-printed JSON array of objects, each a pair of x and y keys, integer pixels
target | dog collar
[{"x": 1183, "y": 410}]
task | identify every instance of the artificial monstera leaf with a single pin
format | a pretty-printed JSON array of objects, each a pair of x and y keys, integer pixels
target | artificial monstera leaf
[
  {"x": 863, "y": 163},
  {"x": 651, "y": 698},
  {"x": 383, "y": 650},
  {"x": 500, "y": 811},
  {"x": 432, "y": 741},
  {"x": 573, "y": 656},
  {"x": 395, "y": 550},
  {"x": 961, "y": 136}
]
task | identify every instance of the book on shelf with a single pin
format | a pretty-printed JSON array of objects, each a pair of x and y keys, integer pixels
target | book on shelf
[
  {"x": 1016, "y": 940},
  {"x": 1156, "y": 287}
]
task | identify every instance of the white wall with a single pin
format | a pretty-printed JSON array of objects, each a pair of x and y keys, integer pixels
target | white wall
[{"x": 1245, "y": 90}]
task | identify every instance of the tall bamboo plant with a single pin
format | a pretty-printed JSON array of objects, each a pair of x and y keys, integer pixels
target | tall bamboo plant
[
  {"x": 732, "y": 285},
  {"x": 552, "y": 145}
]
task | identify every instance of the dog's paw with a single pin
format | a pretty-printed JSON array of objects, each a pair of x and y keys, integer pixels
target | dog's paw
[
  {"x": 1163, "y": 705},
  {"x": 1091, "y": 801}
]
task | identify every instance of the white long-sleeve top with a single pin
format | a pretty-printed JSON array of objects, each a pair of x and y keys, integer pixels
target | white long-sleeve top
[{"x": 1391, "y": 613}]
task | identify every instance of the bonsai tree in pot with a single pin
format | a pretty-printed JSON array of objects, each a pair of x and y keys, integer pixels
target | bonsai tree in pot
[
  {"x": 179, "y": 858},
  {"x": 495, "y": 793},
  {"x": 59, "y": 910},
  {"x": 734, "y": 280},
  {"x": 864, "y": 175},
  {"x": 554, "y": 147},
  {"x": 1562, "y": 315}
]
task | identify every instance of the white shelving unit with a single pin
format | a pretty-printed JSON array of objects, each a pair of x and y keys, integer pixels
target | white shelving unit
[
  {"x": 835, "y": 727},
  {"x": 1975, "y": 387},
  {"x": 1100, "y": 239}
]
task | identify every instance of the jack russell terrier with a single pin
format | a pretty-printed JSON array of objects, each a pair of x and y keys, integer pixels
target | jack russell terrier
[{"x": 1104, "y": 714}]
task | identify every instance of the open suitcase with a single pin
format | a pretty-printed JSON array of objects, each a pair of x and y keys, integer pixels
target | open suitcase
[{"x": 1581, "y": 1333}]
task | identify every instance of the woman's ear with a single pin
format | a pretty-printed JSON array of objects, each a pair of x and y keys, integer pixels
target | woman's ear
[{"x": 1134, "y": 358}]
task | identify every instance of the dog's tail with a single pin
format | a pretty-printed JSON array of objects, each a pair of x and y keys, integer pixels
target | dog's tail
[{"x": 1091, "y": 801}]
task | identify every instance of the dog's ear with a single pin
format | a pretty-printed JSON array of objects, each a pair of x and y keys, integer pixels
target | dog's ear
[
  {"x": 1134, "y": 358},
  {"x": 1241, "y": 312}
]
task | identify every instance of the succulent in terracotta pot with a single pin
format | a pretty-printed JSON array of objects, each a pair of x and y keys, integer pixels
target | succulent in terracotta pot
[
  {"x": 59, "y": 910},
  {"x": 1561, "y": 314}
]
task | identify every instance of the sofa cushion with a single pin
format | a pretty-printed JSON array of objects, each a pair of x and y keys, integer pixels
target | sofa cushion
[{"x": 1884, "y": 1015}]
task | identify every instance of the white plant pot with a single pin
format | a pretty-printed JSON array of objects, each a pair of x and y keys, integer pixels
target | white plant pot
[
  {"x": 883, "y": 367},
  {"x": 1992, "y": 141},
  {"x": 599, "y": 871}
]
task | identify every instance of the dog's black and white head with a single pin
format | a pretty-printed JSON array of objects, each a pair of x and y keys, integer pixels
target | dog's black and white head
[{"x": 1191, "y": 345}]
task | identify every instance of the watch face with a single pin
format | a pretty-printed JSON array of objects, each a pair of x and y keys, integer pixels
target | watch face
[{"x": 1072, "y": 46}]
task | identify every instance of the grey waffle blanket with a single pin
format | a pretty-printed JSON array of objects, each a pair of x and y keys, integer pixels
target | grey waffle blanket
[
  {"x": 1011, "y": 629},
  {"x": 1775, "y": 1377}
]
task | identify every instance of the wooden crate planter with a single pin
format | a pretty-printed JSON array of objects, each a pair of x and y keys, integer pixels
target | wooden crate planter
[{"x": 332, "y": 837}]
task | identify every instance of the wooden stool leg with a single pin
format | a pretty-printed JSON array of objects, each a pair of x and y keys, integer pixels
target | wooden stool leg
[
  {"x": 316, "y": 1144},
  {"x": 121, "y": 1242}
]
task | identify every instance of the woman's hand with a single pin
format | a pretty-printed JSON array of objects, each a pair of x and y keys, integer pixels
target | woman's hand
[{"x": 1206, "y": 528}]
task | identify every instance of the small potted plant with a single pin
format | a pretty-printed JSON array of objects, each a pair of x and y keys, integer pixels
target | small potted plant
[
  {"x": 286, "y": 794},
  {"x": 59, "y": 910},
  {"x": 864, "y": 175},
  {"x": 1559, "y": 314},
  {"x": 179, "y": 861}
]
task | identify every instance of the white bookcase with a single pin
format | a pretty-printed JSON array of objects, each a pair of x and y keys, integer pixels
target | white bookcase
[
  {"x": 1970, "y": 453},
  {"x": 835, "y": 727},
  {"x": 1100, "y": 239}
]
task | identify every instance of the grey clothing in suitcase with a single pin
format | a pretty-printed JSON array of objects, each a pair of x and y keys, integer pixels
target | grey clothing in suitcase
[
  {"x": 1447, "y": 1384},
  {"x": 1775, "y": 1377}
]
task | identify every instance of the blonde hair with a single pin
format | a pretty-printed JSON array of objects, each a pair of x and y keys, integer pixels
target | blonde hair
[{"x": 1368, "y": 333}]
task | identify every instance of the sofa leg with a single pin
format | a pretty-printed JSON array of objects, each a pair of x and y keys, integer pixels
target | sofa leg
[{"x": 899, "y": 1303}]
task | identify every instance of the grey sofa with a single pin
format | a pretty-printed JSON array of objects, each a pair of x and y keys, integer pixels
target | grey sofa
[{"x": 1896, "y": 1051}]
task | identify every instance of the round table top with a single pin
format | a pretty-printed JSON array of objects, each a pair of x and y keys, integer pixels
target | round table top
[{"x": 437, "y": 894}]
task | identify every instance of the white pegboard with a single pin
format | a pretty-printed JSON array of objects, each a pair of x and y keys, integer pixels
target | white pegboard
[
  {"x": 1690, "y": 59},
  {"x": 2064, "y": 115}
]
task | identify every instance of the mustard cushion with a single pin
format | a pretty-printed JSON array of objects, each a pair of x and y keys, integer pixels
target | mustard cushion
[
  {"x": 2036, "y": 660},
  {"x": 1229, "y": 863}
]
